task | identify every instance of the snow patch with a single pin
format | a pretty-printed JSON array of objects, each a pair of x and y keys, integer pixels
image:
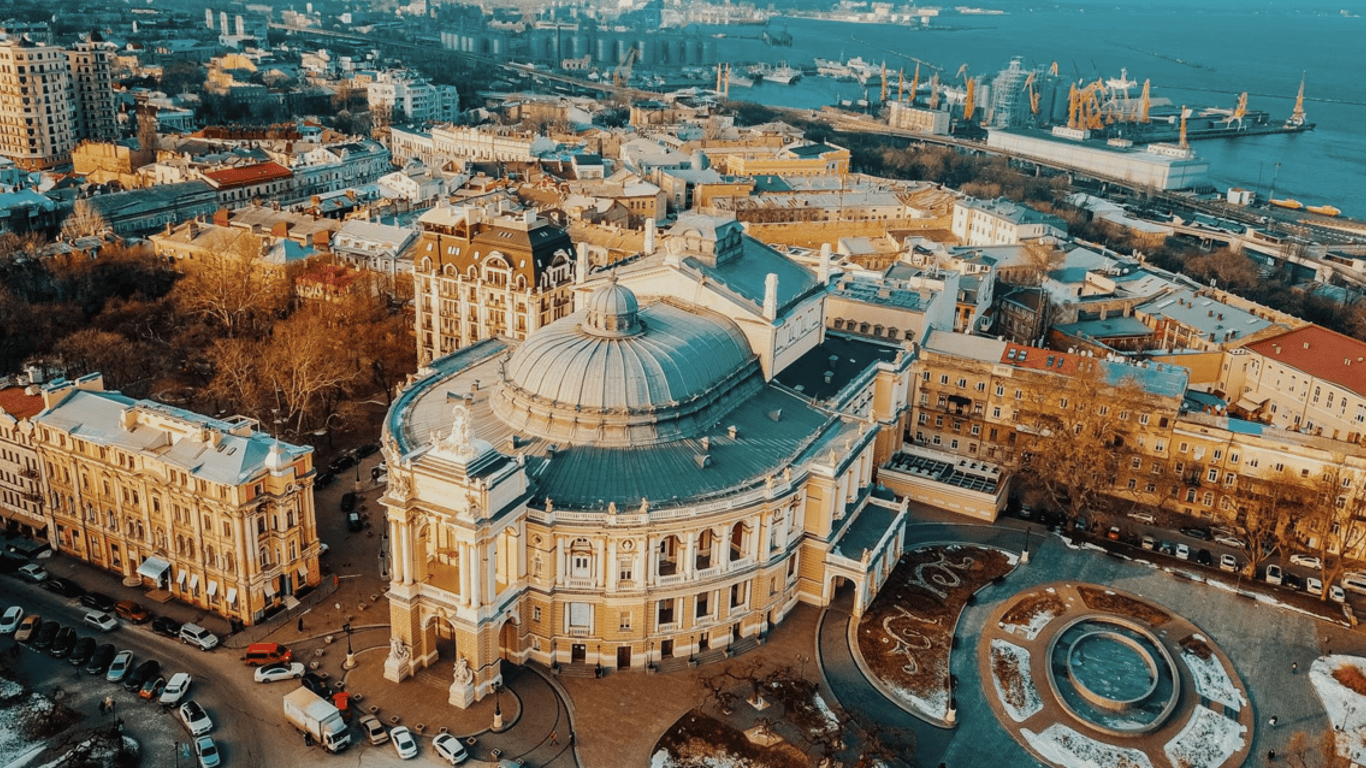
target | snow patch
[
  {"x": 1028, "y": 704},
  {"x": 1207, "y": 741},
  {"x": 1063, "y": 746},
  {"x": 934, "y": 706},
  {"x": 1036, "y": 624},
  {"x": 1346, "y": 708},
  {"x": 831, "y": 722},
  {"x": 1212, "y": 680}
]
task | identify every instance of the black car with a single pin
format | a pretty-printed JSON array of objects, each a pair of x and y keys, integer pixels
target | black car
[
  {"x": 98, "y": 601},
  {"x": 348, "y": 501},
  {"x": 323, "y": 479},
  {"x": 1293, "y": 582},
  {"x": 100, "y": 659},
  {"x": 63, "y": 587},
  {"x": 345, "y": 461},
  {"x": 62, "y": 643},
  {"x": 46, "y": 634},
  {"x": 316, "y": 684},
  {"x": 165, "y": 625},
  {"x": 353, "y": 522},
  {"x": 1204, "y": 557},
  {"x": 81, "y": 652},
  {"x": 367, "y": 450},
  {"x": 144, "y": 671},
  {"x": 1196, "y": 533}
]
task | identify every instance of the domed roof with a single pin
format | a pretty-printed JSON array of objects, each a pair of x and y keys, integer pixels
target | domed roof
[{"x": 616, "y": 374}]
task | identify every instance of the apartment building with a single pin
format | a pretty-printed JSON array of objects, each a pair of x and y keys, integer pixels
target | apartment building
[
  {"x": 51, "y": 98},
  {"x": 1001, "y": 222},
  {"x": 1310, "y": 380},
  {"x": 408, "y": 96},
  {"x": 213, "y": 511},
  {"x": 21, "y": 498}
]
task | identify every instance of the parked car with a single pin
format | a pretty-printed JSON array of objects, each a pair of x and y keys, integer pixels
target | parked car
[
  {"x": 1313, "y": 586},
  {"x": 342, "y": 462},
  {"x": 46, "y": 634},
  {"x": 101, "y": 621},
  {"x": 152, "y": 689},
  {"x": 28, "y": 628},
  {"x": 404, "y": 743},
  {"x": 1230, "y": 541},
  {"x": 1113, "y": 534},
  {"x": 100, "y": 659},
  {"x": 135, "y": 679},
  {"x": 1307, "y": 561},
  {"x": 98, "y": 601},
  {"x": 367, "y": 450},
  {"x": 348, "y": 501},
  {"x": 1274, "y": 575},
  {"x": 266, "y": 653},
  {"x": 353, "y": 522},
  {"x": 194, "y": 717},
  {"x": 118, "y": 667},
  {"x": 62, "y": 643},
  {"x": 1228, "y": 563},
  {"x": 1223, "y": 530},
  {"x": 63, "y": 587},
  {"x": 1149, "y": 542},
  {"x": 207, "y": 752},
  {"x": 1204, "y": 557},
  {"x": 1292, "y": 581},
  {"x": 32, "y": 572},
  {"x": 1336, "y": 594},
  {"x": 176, "y": 688},
  {"x": 81, "y": 652},
  {"x": 131, "y": 611},
  {"x": 373, "y": 729},
  {"x": 1146, "y": 518},
  {"x": 1354, "y": 582},
  {"x": 1196, "y": 533},
  {"x": 273, "y": 672},
  {"x": 1182, "y": 551},
  {"x": 316, "y": 684},
  {"x": 450, "y": 749},
  {"x": 199, "y": 637},
  {"x": 323, "y": 479},
  {"x": 165, "y": 625},
  {"x": 1166, "y": 548},
  {"x": 10, "y": 620}
]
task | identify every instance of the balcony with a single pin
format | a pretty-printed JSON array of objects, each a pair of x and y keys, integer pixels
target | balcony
[{"x": 581, "y": 583}]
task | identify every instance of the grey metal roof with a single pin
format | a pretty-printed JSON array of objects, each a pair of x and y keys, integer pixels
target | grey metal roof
[{"x": 746, "y": 275}]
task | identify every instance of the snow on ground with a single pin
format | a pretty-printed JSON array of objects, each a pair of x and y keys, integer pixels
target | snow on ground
[
  {"x": 662, "y": 759},
  {"x": 1346, "y": 708},
  {"x": 1207, "y": 741},
  {"x": 831, "y": 721},
  {"x": 9, "y": 689},
  {"x": 1212, "y": 680},
  {"x": 1026, "y": 691},
  {"x": 1036, "y": 623},
  {"x": 935, "y": 706},
  {"x": 13, "y": 718},
  {"x": 1063, "y": 746}
]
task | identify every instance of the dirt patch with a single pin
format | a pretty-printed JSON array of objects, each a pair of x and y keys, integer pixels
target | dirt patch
[
  {"x": 1031, "y": 606},
  {"x": 1196, "y": 646},
  {"x": 698, "y": 740},
  {"x": 906, "y": 634},
  {"x": 1351, "y": 677},
  {"x": 1111, "y": 602},
  {"x": 1006, "y": 668}
]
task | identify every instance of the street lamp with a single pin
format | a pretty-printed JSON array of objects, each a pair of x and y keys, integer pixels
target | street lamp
[
  {"x": 497, "y": 707},
  {"x": 1024, "y": 555},
  {"x": 350, "y": 662}
]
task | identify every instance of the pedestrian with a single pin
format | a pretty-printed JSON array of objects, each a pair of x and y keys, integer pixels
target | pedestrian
[
  {"x": 1294, "y": 667},
  {"x": 301, "y": 623},
  {"x": 102, "y": 707},
  {"x": 554, "y": 738},
  {"x": 1271, "y": 754},
  {"x": 1273, "y": 721},
  {"x": 571, "y": 738}
]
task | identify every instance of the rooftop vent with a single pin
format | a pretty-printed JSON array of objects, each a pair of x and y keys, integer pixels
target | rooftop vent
[{"x": 703, "y": 460}]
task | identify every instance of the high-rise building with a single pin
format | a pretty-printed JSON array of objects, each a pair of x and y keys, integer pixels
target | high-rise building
[
  {"x": 92, "y": 81},
  {"x": 51, "y": 98}
]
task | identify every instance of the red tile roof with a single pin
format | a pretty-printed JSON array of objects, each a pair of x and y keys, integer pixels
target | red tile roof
[
  {"x": 1037, "y": 359},
  {"x": 1321, "y": 353},
  {"x": 248, "y": 175},
  {"x": 16, "y": 403}
]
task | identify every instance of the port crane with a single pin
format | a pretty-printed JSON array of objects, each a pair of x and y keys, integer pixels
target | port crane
[
  {"x": 915, "y": 83},
  {"x": 1033, "y": 95},
  {"x": 1297, "y": 117},
  {"x": 934, "y": 91},
  {"x": 622, "y": 75}
]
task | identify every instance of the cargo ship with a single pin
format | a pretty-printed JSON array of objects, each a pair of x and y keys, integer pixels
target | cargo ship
[
  {"x": 1290, "y": 203},
  {"x": 1323, "y": 210}
]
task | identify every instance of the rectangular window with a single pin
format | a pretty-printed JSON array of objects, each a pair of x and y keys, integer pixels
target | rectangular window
[
  {"x": 536, "y": 613},
  {"x": 625, "y": 623},
  {"x": 703, "y": 605},
  {"x": 580, "y": 615}
]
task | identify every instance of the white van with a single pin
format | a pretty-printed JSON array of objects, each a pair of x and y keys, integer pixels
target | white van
[{"x": 1354, "y": 582}]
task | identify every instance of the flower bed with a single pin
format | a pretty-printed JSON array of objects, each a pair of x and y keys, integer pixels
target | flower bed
[
  {"x": 1061, "y": 745},
  {"x": 1032, "y": 613},
  {"x": 1111, "y": 602},
  {"x": 1014, "y": 683},
  {"x": 1211, "y": 679}
]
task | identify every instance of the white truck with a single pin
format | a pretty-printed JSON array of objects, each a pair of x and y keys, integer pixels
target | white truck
[{"x": 318, "y": 718}]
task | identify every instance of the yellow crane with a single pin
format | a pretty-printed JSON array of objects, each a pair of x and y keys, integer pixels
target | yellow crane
[
  {"x": 915, "y": 82},
  {"x": 1146, "y": 102},
  {"x": 884, "y": 82},
  {"x": 969, "y": 100},
  {"x": 1297, "y": 117},
  {"x": 622, "y": 75},
  {"x": 1053, "y": 70},
  {"x": 1033, "y": 95},
  {"x": 900, "y": 84},
  {"x": 1239, "y": 111},
  {"x": 1183, "y": 143},
  {"x": 934, "y": 91}
]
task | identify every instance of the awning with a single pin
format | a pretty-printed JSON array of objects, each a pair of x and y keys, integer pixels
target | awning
[
  {"x": 194, "y": 582},
  {"x": 270, "y": 588},
  {"x": 303, "y": 573},
  {"x": 1249, "y": 404},
  {"x": 213, "y": 588},
  {"x": 180, "y": 578},
  {"x": 232, "y": 595},
  {"x": 153, "y": 568}
]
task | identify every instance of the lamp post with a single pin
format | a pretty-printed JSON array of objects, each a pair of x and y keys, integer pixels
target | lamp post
[
  {"x": 350, "y": 662},
  {"x": 497, "y": 707},
  {"x": 1024, "y": 555}
]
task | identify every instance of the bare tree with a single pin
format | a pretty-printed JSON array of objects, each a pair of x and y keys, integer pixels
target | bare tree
[
  {"x": 1333, "y": 517},
  {"x": 1267, "y": 512},
  {"x": 85, "y": 220},
  {"x": 1315, "y": 751},
  {"x": 231, "y": 287}
]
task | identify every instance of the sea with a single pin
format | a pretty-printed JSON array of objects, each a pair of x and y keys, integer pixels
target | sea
[{"x": 1224, "y": 47}]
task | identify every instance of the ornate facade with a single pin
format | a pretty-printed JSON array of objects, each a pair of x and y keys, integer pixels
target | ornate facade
[{"x": 638, "y": 481}]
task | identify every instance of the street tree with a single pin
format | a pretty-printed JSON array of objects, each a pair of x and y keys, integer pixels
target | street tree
[
  {"x": 1335, "y": 518},
  {"x": 1267, "y": 509},
  {"x": 85, "y": 220},
  {"x": 231, "y": 288}
]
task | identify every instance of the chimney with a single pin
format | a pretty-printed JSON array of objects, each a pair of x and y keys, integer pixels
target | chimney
[
  {"x": 1306, "y": 345},
  {"x": 733, "y": 431},
  {"x": 823, "y": 274},
  {"x": 771, "y": 297},
  {"x": 650, "y": 236},
  {"x": 581, "y": 270}
]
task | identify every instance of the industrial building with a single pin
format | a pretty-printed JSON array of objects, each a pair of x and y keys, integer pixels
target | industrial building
[{"x": 1158, "y": 166}]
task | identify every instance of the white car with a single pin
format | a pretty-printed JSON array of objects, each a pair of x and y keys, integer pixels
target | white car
[
  {"x": 101, "y": 621},
  {"x": 33, "y": 572},
  {"x": 1308, "y": 561},
  {"x": 1228, "y": 563},
  {"x": 207, "y": 752},
  {"x": 118, "y": 668},
  {"x": 1313, "y": 586},
  {"x": 1274, "y": 574},
  {"x": 10, "y": 621},
  {"x": 1229, "y": 541},
  {"x": 1143, "y": 517},
  {"x": 273, "y": 672},
  {"x": 374, "y": 730},
  {"x": 1336, "y": 594},
  {"x": 404, "y": 743},
  {"x": 176, "y": 689},
  {"x": 450, "y": 749},
  {"x": 199, "y": 637},
  {"x": 194, "y": 717},
  {"x": 1183, "y": 551}
]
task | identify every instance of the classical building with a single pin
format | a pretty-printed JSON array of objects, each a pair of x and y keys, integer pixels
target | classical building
[
  {"x": 211, "y": 510},
  {"x": 668, "y": 470},
  {"x": 21, "y": 497},
  {"x": 480, "y": 273},
  {"x": 1001, "y": 222}
]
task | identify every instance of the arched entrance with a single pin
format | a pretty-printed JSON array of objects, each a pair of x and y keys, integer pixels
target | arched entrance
[{"x": 509, "y": 641}]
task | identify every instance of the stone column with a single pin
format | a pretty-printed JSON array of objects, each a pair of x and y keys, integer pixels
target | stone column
[
  {"x": 690, "y": 555},
  {"x": 559, "y": 561}
]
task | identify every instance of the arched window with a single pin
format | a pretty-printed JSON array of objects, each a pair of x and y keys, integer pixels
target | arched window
[
  {"x": 739, "y": 541},
  {"x": 581, "y": 558},
  {"x": 668, "y": 555}
]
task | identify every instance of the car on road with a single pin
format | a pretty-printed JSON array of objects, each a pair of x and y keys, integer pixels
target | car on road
[
  {"x": 323, "y": 479},
  {"x": 404, "y": 743},
  {"x": 1293, "y": 582},
  {"x": 118, "y": 667},
  {"x": 1336, "y": 594},
  {"x": 1313, "y": 586},
  {"x": 32, "y": 572},
  {"x": 63, "y": 587},
  {"x": 373, "y": 729},
  {"x": 207, "y": 752},
  {"x": 46, "y": 634},
  {"x": 101, "y": 621},
  {"x": 1222, "y": 530},
  {"x": 1149, "y": 542},
  {"x": 98, "y": 601},
  {"x": 199, "y": 637},
  {"x": 1195, "y": 533},
  {"x": 1113, "y": 533},
  {"x": 353, "y": 522},
  {"x": 1228, "y": 563},
  {"x": 81, "y": 652},
  {"x": 348, "y": 501},
  {"x": 135, "y": 679},
  {"x": 194, "y": 717},
  {"x": 28, "y": 628},
  {"x": 165, "y": 625},
  {"x": 10, "y": 620},
  {"x": 1274, "y": 574},
  {"x": 450, "y": 749},
  {"x": 62, "y": 644},
  {"x": 1204, "y": 557},
  {"x": 1146, "y": 518},
  {"x": 131, "y": 611},
  {"x": 100, "y": 659},
  {"x": 152, "y": 689},
  {"x": 1230, "y": 541},
  {"x": 1307, "y": 561},
  {"x": 275, "y": 672},
  {"x": 176, "y": 688},
  {"x": 1183, "y": 551},
  {"x": 367, "y": 450}
]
